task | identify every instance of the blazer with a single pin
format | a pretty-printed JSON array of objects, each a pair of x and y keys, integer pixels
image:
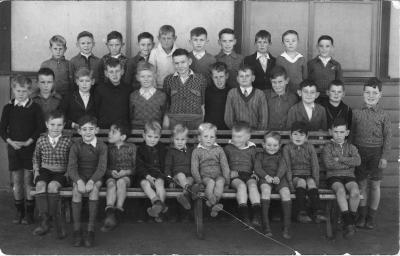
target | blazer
[
  {"x": 73, "y": 107},
  {"x": 262, "y": 81},
  {"x": 298, "y": 113}
]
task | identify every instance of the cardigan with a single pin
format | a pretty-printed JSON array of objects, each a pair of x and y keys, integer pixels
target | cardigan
[
  {"x": 262, "y": 80},
  {"x": 298, "y": 113},
  {"x": 215, "y": 101},
  {"x": 324, "y": 75},
  {"x": 62, "y": 74},
  {"x": 162, "y": 62},
  {"x": 73, "y": 107},
  {"x": 122, "y": 158},
  {"x": 272, "y": 165},
  {"x": 278, "y": 108},
  {"x": 342, "y": 111}
]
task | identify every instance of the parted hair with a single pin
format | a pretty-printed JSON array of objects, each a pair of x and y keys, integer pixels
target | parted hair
[{"x": 22, "y": 81}]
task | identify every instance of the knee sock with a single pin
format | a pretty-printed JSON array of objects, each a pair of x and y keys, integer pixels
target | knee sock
[
  {"x": 301, "y": 199},
  {"x": 20, "y": 206},
  {"x": 371, "y": 213},
  {"x": 76, "y": 215},
  {"x": 54, "y": 199},
  {"x": 243, "y": 211},
  {"x": 93, "y": 205},
  {"x": 314, "y": 198},
  {"x": 42, "y": 203},
  {"x": 353, "y": 217},
  {"x": 265, "y": 212},
  {"x": 30, "y": 209},
  {"x": 287, "y": 213},
  {"x": 256, "y": 210},
  {"x": 362, "y": 212},
  {"x": 347, "y": 219}
]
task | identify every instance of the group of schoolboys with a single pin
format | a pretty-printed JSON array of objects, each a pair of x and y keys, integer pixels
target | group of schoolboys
[{"x": 168, "y": 87}]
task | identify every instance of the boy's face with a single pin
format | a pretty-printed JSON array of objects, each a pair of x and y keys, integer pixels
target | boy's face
[
  {"x": 245, "y": 78},
  {"x": 55, "y": 126},
  {"x": 262, "y": 45},
  {"x": 114, "y": 74},
  {"x": 57, "y": 50},
  {"x": 271, "y": 145},
  {"x": 167, "y": 40},
  {"x": 298, "y": 138},
  {"x": 207, "y": 138},
  {"x": 115, "y": 136},
  {"x": 325, "y": 48},
  {"x": 290, "y": 42},
  {"x": 45, "y": 84},
  {"x": 88, "y": 132},
  {"x": 308, "y": 94},
  {"x": 145, "y": 46},
  {"x": 180, "y": 140},
  {"x": 227, "y": 42},
  {"x": 182, "y": 64},
  {"x": 219, "y": 78},
  {"x": 84, "y": 83},
  {"x": 114, "y": 46},
  {"x": 85, "y": 45},
  {"x": 335, "y": 93},
  {"x": 240, "y": 138},
  {"x": 339, "y": 133},
  {"x": 145, "y": 78},
  {"x": 21, "y": 93},
  {"x": 151, "y": 138},
  {"x": 372, "y": 95},
  {"x": 279, "y": 84},
  {"x": 198, "y": 42}
]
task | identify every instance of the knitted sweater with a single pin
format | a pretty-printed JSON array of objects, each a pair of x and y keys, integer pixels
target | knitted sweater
[
  {"x": 122, "y": 158},
  {"x": 178, "y": 161},
  {"x": 298, "y": 113},
  {"x": 324, "y": 75},
  {"x": 272, "y": 165},
  {"x": 215, "y": 101},
  {"x": 203, "y": 65},
  {"x": 348, "y": 159},
  {"x": 241, "y": 160},
  {"x": 150, "y": 160},
  {"x": 252, "y": 109},
  {"x": 79, "y": 61},
  {"x": 296, "y": 71},
  {"x": 341, "y": 111},
  {"x": 62, "y": 73},
  {"x": 278, "y": 107}
]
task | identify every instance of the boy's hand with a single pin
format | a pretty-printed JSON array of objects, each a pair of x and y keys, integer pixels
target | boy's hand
[
  {"x": 254, "y": 176},
  {"x": 89, "y": 186},
  {"x": 81, "y": 186},
  {"x": 114, "y": 174},
  {"x": 269, "y": 179},
  {"x": 276, "y": 180},
  {"x": 26, "y": 143},
  {"x": 13, "y": 144},
  {"x": 382, "y": 163},
  {"x": 151, "y": 179}
]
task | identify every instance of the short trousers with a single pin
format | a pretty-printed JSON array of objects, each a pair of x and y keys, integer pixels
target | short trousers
[
  {"x": 244, "y": 176},
  {"x": 47, "y": 176},
  {"x": 21, "y": 158},
  {"x": 275, "y": 187},
  {"x": 369, "y": 169},
  {"x": 107, "y": 177},
  {"x": 342, "y": 179},
  {"x": 191, "y": 121}
]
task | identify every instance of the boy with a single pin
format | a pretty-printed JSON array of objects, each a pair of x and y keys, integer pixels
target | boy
[
  {"x": 59, "y": 65},
  {"x": 372, "y": 135},
  {"x": 261, "y": 61},
  {"x": 303, "y": 172},
  {"x": 240, "y": 153},
  {"x": 86, "y": 166},
  {"x": 340, "y": 158},
  {"x": 147, "y": 103},
  {"x": 227, "y": 41},
  {"x": 210, "y": 167},
  {"x": 161, "y": 57},
  {"x": 46, "y": 97},
  {"x": 112, "y": 97},
  {"x": 114, "y": 45},
  {"x": 246, "y": 103},
  {"x": 215, "y": 96},
  {"x": 85, "y": 57},
  {"x": 201, "y": 60},
  {"x": 270, "y": 168},
  {"x": 323, "y": 69},
  {"x": 20, "y": 125},
  {"x": 185, "y": 91},
  {"x": 307, "y": 110},
  {"x": 334, "y": 106},
  {"x": 146, "y": 44},
  {"x": 80, "y": 102},
  {"x": 120, "y": 167},
  {"x": 50, "y": 160},
  {"x": 150, "y": 166},
  {"x": 279, "y": 99}
]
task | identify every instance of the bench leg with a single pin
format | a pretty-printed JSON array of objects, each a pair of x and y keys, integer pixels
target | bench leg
[
  {"x": 329, "y": 219},
  {"x": 198, "y": 216},
  {"x": 66, "y": 208}
]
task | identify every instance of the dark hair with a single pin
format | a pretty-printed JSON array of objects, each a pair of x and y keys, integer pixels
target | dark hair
[
  {"x": 180, "y": 52},
  {"x": 374, "y": 82},
  {"x": 152, "y": 125},
  {"x": 87, "y": 119},
  {"x": 278, "y": 71},
  {"x": 241, "y": 126},
  {"x": 145, "y": 35},
  {"x": 299, "y": 126},
  {"x": 244, "y": 67},
  {"x": 226, "y": 31},
  {"x": 57, "y": 39},
  {"x": 179, "y": 129},
  {"x": 263, "y": 34},
  {"x": 336, "y": 82},
  {"x": 83, "y": 71},
  {"x": 288, "y": 32},
  {"x": 272, "y": 134},
  {"x": 84, "y": 34},
  {"x": 54, "y": 115},
  {"x": 21, "y": 81},
  {"x": 112, "y": 63},
  {"x": 165, "y": 29},
  {"x": 114, "y": 35},
  {"x": 122, "y": 127},
  {"x": 198, "y": 31},
  {"x": 45, "y": 72},
  {"x": 339, "y": 122},
  {"x": 219, "y": 66},
  {"x": 307, "y": 82},
  {"x": 325, "y": 37}
]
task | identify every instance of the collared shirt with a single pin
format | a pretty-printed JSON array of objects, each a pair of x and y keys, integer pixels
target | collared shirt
[
  {"x": 199, "y": 55},
  {"x": 182, "y": 78},
  {"x": 325, "y": 60},
  {"x": 116, "y": 56},
  {"x": 249, "y": 144},
  {"x": 162, "y": 62},
  {"x": 147, "y": 93},
  {"x": 86, "y": 55},
  {"x": 278, "y": 107},
  {"x": 85, "y": 98},
  {"x": 53, "y": 141},
  {"x": 93, "y": 142},
  {"x": 309, "y": 110},
  {"x": 213, "y": 145},
  {"x": 246, "y": 90},
  {"x": 263, "y": 59},
  {"x": 21, "y": 103},
  {"x": 290, "y": 59}
]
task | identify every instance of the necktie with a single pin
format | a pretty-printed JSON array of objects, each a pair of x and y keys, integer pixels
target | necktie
[
  {"x": 263, "y": 61},
  {"x": 245, "y": 93},
  {"x": 53, "y": 142}
]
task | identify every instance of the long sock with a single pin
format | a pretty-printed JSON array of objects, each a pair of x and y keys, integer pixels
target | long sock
[
  {"x": 314, "y": 198},
  {"x": 371, "y": 213},
  {"x": 287, "y": 212},
  {"x": 42, "y": 203},
  {"x": 243, "y": 211},
  {"x": 347, "y": 219},
  {"x": 301, "y": 199},
  {"x": 362, "y": 212},
  {"x": 76, "y": 215},
  {"x": 93, "y": 206},
  {"x": 265, "y": 212},
  {"x": 30, "y": 207},
  {"x": 54, "y": 199},
  {"x": 20, "y": 206},
  {"x": 353, "y": 217},
  {"x": 256, "y": 210}
]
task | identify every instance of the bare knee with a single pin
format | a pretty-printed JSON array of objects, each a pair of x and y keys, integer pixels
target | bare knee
[
  {"x": 121, "y": 184},
  {"x": 340, "y": 192},
  {"x": 375, "y": 185},
  {"x": 40, "y": 187},
  {"x": 265, "y": 191},
  {"x": 53, "y": 187},
  {"x": 285, "y": 194},
  {"x": 220, "y": 181},
  {"x": 76, "y": 195},
  {"x": 355, "y": 193},
  {"x": 301, "y": 183},
  {"x": 145, "y": 184},
  {"x": 311, "y": 183},
  {"x": 159, "y": 183}
]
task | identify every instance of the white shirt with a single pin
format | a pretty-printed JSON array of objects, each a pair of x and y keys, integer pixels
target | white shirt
[
  {"x": 248, "y": 145},
  {"x": 147, "y": 93},
  {"x": 186, "y": 78},
  {"x": 263, "y": 58},
  {"x": 199, "y": 55},
  {"x": 21, "y": 103},
  {"x": 290, "y": 59},
  {"x": 85, "y": 98},
  {"x": 325, "y": 60},
  {"x": 162, "y": 63},
  {"x": 309, "y": 110},
  {"x": 201, "y": 146},
  {"x": 86, "y": 55},
  {"x": 248, "y": 90},
  {"x": 116, "y": 56},
  {"x": 54, "y": 141},
  {"x": 93, "y": 142}
]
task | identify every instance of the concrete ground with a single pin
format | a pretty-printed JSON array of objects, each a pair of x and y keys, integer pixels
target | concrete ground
[{"x": 227, "y": 237}]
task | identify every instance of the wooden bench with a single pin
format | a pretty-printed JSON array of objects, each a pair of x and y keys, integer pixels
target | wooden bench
[{"x": 318, "y": 139}]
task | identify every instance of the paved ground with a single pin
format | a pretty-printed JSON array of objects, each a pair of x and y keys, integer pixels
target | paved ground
[{"x": 221, "y": 238}]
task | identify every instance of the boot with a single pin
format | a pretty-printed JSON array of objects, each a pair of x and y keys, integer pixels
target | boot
[
  {"x": 119, "y": 214},
  {"x": 287, "y": 214},
  {"x": 316, "y": 206},
  {"x": 43, "y": 208},
  {"x": 30, "y": 212},
  {"x": 89, "y": 239},
  {"x": 110, "y": 221},
  {"x": 20, "y": 214},
  {"x": 43, "y": 227},
  {"x": 55, "y": 212},
  {"x": 155, "y": 209},
  {"x": 348, "y": 229},
  {"x": 265, "y": 217},
  {"x": 77, "y": 238},
  {"x": 370, "y": 221},
  {"x": 362, "y": 214},
  {"x": 256, "y": 221}
]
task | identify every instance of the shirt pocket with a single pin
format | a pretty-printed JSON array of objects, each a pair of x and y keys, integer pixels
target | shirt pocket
[
  {"x": 174, "y": 92},
  {"x": 195, "y": 92}
]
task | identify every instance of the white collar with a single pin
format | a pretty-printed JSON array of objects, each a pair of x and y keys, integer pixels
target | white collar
[
  {"x": 199, "y": 55},
  {"x": 290, "y": 59},
  {"x": 260, "y": 54},
  {"x": 249, "y": 144},
  {"x": 93, "y": 142},
  {"x": 201, "y": 146},
  {"x": 190, "y": 73},
  {"x": 86, "y": 55},
  {"x": 150, "y": 90},
  {"x": 325, "y": 60},
  {"x": 159, "y": 47},
  {"x": 309, "y": 107},
  {"x": 86, "y": 94},
  {"x": 55, "y": 139},
  {"x": 116, "y": 56},
  {"x": 248, "y": 89},
  {"x": 23, "y": 103}
]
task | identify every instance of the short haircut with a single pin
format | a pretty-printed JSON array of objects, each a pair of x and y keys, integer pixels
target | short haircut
[
  {"x": 152, "y": 125},
  {"x": 179, "y": 129},
  {"x": 336, "y": 82},
  {"x": 288, "y": 32},
  {"x": 263, "y": 34},
  {"x": 299, "y": 126},
  {"x": 226, "y": 31},
  {"x": 166, "y": 29},
  {"x": 45, "y": 72},
  {"x": 112, "y": 63},
  {"x": 244, "y": 67},
  {"x": 198, "y": 31},
  {"x": 219, "y": 66},
  {"x": 87, "y": 119},
  {"x": 180, "y": 52},
  {"x": 307, "y": 82},
  {"x": 241, "y": 126},
  {"x": 114, "y": 35},
  {"x": 54, "y": 115},
  {"x": 144, "y": 65},
  {"x": 145, "y": 35},
  {"x": 278, "y": 71},
  {"x": 272, "y": 134},
  {"x": 122, "y": 127},
  {"x": 22, "y": 81},
  {"x": 325, "y": 37},
  {"x": 83, "y": 71},
  {"x": 373, "y": 82},
  {"x": 339, "y": 122},
  {"x": 84, "y": 34},
  {"x": 205, "y": 127},
  {"x": 57, "y": 39}
]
